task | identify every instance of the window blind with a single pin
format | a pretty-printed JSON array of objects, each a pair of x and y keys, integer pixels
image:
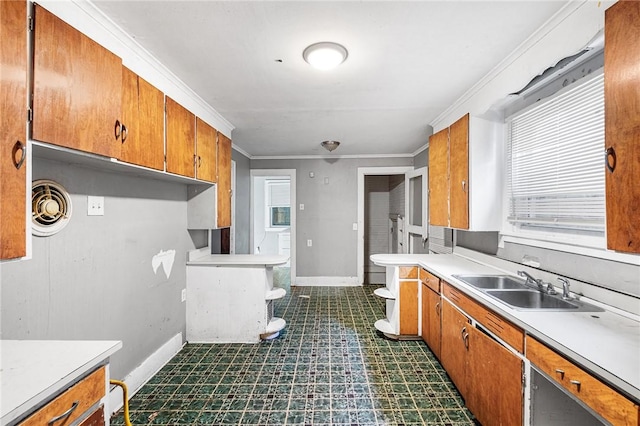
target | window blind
[
  {"x": 278, "y": 193},
  {"x": 555, "y": 161}
]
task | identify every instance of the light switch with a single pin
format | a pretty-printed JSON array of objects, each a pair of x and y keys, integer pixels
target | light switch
[
  {"x": 309, "y": 243},
  {"x": 301, "y": 206},
  {"x": 326, "y": 181},
  {"x": 355, "y": 226}
]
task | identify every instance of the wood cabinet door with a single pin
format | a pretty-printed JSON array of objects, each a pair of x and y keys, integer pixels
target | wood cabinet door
[
  {"x": 455, "y": 326},
  {"x": 13, "y": 122},
  {"x": 439, "y": 178},
  {"x": 622, "y": 125},
  {"x": 459, "y": 173},
  {"x": 206, "y": 151},
  {"x": 424, "y": 314},
  {"x": 408, "y": 308},
  {"x": 435, "y": 325},
  {"x": 224, "y": 181},
  {"x": 77, "y": 88},
  {"x": 181, "y": 139},
  {"x": 494, "y": 387},
  {"x": 143, "y": 118}
]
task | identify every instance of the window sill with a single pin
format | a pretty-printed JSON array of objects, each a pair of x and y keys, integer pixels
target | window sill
[{"x": 584, "y": 250}]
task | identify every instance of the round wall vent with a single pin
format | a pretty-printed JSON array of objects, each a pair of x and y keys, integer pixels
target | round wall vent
[{"x": 50, "y": 207}]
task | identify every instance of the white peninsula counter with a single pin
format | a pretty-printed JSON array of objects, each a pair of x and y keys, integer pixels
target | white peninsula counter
[{"x": 230, "y": 297}]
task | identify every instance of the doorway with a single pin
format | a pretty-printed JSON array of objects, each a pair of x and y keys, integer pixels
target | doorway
[
  {"x": 273, "y": 219},
  {"x": 376, "y": 218}
]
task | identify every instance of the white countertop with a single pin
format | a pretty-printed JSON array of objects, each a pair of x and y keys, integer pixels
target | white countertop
[
  {"x": 32, "y": 371},
  {"x": 238, "y": 259},
  {"x": 606, "y": 343}
]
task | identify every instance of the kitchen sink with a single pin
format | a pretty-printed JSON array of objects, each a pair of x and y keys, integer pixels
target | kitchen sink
[
  {"x": 492, "y": 281},
  {"x": 517, "y": 294},
  {"x": 531, "y": 299}
]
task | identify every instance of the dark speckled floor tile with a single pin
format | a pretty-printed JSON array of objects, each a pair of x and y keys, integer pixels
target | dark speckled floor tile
[{"x": 329, "y": 367}]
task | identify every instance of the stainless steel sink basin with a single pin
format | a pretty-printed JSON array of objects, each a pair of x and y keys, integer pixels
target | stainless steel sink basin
[
  {"x": 531, "y": 299},
  {"x": 515, "y": 293},
  {"x": 492, "y": 281}
]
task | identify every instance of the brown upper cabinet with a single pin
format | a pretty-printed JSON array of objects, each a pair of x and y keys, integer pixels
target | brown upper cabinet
[
  {"x": 622, "y": 125},
  {"x": 13, "y": 121},
  {"x": 142, "y": 139},
  {"x": 459, "y": 173},
  {"x": 206, "y": 151},
  {"x": 77, "y": 89},
  {"x": 181, "y": 139},
  {"x": 439, "y": 178},
  {"x": 465, "y": 175},
  {"x": 224, "y": 181}
]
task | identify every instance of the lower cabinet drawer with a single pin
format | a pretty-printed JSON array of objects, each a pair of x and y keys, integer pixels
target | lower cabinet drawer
[
  {"x": 604, "y": 400},
  {"x": 95, "y": 419},
  {"x": 513, "y": 335},
  {"x": 72, "y": 403}
]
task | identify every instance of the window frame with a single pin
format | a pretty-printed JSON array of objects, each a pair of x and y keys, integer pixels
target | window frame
[
  {"x": 268, "y": 225},
  {"x": 573, "y": 241}
]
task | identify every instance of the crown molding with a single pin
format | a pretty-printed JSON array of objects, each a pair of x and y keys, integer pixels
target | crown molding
[
  {"x": 322, "y": 157},
  {"x": 531, "y": 41}
]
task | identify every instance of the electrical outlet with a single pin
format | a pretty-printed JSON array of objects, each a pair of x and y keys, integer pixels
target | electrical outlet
[
  {"x": 95, "y": 206},
  {"x": 355, "y": 226},
  {"x": 183, "y": 295},
  {"x": 309, "y": 243}
]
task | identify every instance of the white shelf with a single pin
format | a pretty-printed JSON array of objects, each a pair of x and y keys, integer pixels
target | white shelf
[
  {"x": 276, "y": 324},
  {"x": 107, "y": 164},
  {"x": 276, "y": 293},
  {"x": 385, "y": 327},
  {"x": 385, "y": 293}
]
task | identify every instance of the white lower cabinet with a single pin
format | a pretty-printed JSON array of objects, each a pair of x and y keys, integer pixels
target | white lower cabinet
[{"x": 402, "y": 303}]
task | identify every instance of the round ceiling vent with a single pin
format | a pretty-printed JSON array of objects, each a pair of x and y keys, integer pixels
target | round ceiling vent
[{"x": 50, "y": 207}]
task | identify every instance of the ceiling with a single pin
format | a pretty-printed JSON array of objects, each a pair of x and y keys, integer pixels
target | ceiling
[{"x": 408, "y": 62}]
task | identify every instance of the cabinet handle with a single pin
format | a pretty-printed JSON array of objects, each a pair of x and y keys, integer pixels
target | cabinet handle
[
  {"x": 18, "y": 146},
  {"x": 576, "y": 383},
  {"x": 438, "y": 308},
  {"x": 125, "y": 133},
  {"x": 65, "y": 414},
  {"x": 464, "y": 186},
  {"x": 465, "y": 339},
  {"x": 463, "y": 331},
  {"x": 610, "y": 153},
  {"x": 560, "y": 372},
  {"x": 199, "y": 161},
  {"x": 116, "y": 129}
]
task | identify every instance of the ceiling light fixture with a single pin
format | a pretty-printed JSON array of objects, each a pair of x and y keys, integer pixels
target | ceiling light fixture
[
  {"x": 330, "y": 145},
  {"x": 325, "y": 55}
]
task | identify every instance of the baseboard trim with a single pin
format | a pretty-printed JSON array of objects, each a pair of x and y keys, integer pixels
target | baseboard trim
[
  {"x": 327, "y": 282},
  {"x": 145, "y": 371}
]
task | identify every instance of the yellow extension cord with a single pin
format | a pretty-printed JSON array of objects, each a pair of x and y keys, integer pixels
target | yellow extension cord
[{"x": 125, "y": 397}]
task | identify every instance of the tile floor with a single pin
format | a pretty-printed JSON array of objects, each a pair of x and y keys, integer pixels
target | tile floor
[{"x": 329, "y": 367}]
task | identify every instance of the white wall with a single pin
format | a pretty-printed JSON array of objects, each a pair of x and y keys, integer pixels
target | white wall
[{"x": 94, "y": 280}]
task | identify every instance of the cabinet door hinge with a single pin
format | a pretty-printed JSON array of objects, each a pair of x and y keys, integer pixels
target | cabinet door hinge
[{"x": 30, "y": 23}]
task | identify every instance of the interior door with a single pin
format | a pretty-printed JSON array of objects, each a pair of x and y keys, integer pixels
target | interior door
[{"x": 416, "y": 208}]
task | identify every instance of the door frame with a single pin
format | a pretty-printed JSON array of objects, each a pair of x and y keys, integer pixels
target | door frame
[
  {"x": 362, "y": 172},
  {"x": 291, "y": 173},
  {"x": 410, "y": 229}
]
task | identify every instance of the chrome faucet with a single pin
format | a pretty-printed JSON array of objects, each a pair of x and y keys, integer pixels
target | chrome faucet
[
  {"x": 549, "y": 289},
  {"x": 531, "y": 280},
  {"x": 565, "y": 288}
]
